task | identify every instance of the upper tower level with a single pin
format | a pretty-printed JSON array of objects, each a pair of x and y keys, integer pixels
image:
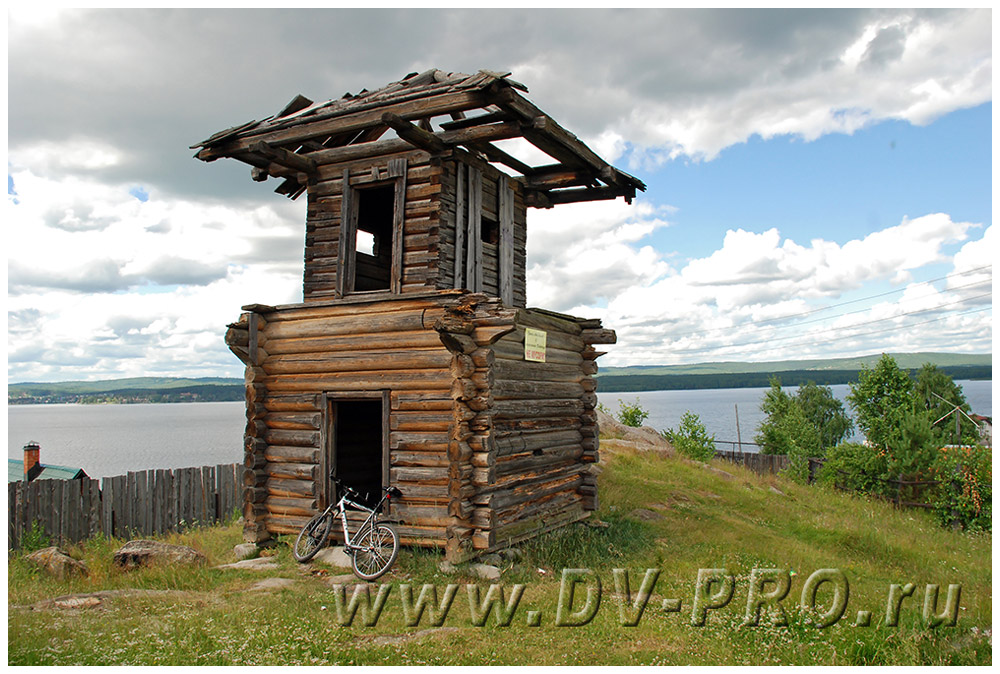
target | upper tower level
[{"x": 427, "y": 209}]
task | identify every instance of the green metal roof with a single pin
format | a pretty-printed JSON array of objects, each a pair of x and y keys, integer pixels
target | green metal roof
[{"x": 15, "y": 472}]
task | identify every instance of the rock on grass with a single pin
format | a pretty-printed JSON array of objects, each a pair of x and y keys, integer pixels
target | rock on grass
[{"x": 147, "y": 553}]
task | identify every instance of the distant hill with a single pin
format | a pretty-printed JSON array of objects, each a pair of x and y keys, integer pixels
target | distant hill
[
  {"x": 825, "y": 372},
  {"x": 904, "y": 360},
  {"x": 130, "y": 390}
]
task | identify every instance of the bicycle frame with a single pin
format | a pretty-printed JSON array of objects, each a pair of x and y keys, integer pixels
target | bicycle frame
[{"x": 368, "y": 523}]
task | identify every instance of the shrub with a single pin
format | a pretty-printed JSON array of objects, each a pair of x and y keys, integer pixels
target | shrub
[
  {"x": 631, "y": 414},
  {"x": 35, "y": 538},
  {"x": 965, "y": 496},
  {"x": 691, "y": 438},
  {"x": 855, "y": 467}
]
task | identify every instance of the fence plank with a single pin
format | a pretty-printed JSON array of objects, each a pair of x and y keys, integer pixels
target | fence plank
[{"x": 123, "y": 506}]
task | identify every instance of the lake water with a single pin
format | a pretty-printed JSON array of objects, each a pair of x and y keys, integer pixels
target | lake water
[
  {"x": 717, "y": 407},
  {"x": 113, "y": 439}
]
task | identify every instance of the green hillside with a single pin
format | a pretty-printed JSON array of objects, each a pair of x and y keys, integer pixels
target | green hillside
[
  {"x": 107, "y": 385},
  {"x": 658, "y": 512},
  {"x": 904, "y": 360}
]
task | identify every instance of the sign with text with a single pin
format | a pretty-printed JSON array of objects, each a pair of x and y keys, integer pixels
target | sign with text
[{"x": 534, "y": 345}]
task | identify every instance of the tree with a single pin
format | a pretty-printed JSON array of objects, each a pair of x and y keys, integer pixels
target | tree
[
  {"x": 807, "y": 423},
  {"x": 825, "y": 413},
  {"x": 691, "y": 438},
  {"x": 940, "y": 395},
  {"x": 880, "y": 398}
]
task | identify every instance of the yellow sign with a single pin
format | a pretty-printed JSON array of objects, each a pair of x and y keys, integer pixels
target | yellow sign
[{"x": 534, "y": 345}]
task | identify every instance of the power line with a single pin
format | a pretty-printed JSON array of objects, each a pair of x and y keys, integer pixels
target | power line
[
  {"x": 844, "y": 328},
  {"x": 842, "y": 304},
  {"x": 861, "y": 311}
]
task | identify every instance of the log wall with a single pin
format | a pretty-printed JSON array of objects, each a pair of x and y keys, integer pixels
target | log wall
[
  {"x": 324, "y": 215},
  {"x": 487, "y": 448}
]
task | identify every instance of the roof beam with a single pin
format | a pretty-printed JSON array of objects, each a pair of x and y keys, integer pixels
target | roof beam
[
  {"x": 495, "y": 154},
  {"x": 546, "y": 134},
  {"x": 414, "y": 135},
  {"x": 472, "y": 135},
  {"x": 430, "y": 106},
  {"x": 290, "y": 160},
  {"x": 542, "y": 199}
]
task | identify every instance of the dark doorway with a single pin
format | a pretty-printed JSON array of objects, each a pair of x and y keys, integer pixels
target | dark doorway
[{"x": 357, "y": 449}]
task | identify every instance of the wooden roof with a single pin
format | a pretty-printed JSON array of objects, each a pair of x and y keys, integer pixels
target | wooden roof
[{"x": 480, "y": 109}]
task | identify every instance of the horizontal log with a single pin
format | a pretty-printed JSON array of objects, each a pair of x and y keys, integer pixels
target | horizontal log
[
  {"x": 527, "y": 409},
  {"x": 507, "y": 389},
  {"x": 291, "y": 454},
  {"x": 529, "y": 442},
  {"x": 546, "y": 321},
  {"x": 292, "y": 403},
  {"x": 541, "y": 424},
  {"x": 540, "y": 487},
  {"x": 420, "y": 440},
  {"x": 358, "y": 344},
  {"x": 372, "y": 380},
  {"x": 599, "y": 336},
  {"x": 283, "y": 505},
  {"x": 367, "y": 323},
  {"x": 530, "y": 371},
  {"x": 281, "y": 486},
  {"x": 292, "y": 438},
  {"x": 552, "y": 457},
  {"x": 404, "y": 459},
  {"x": 296, "y": 471},
  {"x": 427, "y": 359},
  {"x": 293, "y": 420},
  {"x": 433, "y": 475},
  {"x": 421, "y": 421}
]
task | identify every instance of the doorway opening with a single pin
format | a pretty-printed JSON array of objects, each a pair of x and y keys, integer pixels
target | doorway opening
[{"x": 357, "y": 445}]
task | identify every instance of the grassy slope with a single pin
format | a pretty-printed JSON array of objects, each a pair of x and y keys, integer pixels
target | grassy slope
[
  {"x": 904, "y": 360},
  {"x": 77, "y": 387},
  {"x": 707, "y": 521}
]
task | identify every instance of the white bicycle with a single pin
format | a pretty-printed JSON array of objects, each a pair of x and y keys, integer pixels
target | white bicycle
[{"x": 373, "y": 547}]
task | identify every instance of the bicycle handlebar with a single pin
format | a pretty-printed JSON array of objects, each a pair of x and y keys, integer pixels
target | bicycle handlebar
[{"x": 389, "y": 492}]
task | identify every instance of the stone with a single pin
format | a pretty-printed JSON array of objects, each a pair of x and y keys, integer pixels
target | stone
[
  {"x": 646, "y": 515},
  {"x": 334, "y": 556},
  {"x": 57, "y": 563},
  {"x": 725, "y": 475},
  {"x": 343, "y": 579},
  {"x": 491, "y": 558},
  {"x": 775, "y": 490},
  {"x": 510, "y": 554},
  {"x": 271, "y": 584},
  {"x": 484, "y": 571},
  {"x": 447, "y": 567},
  {"x": 144, "y": 553},
  {"x": 256, "y": 564},
  {"x": 246, "y": 550}
]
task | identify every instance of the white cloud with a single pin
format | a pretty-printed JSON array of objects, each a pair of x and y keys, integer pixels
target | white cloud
[
  {"x": 147, "y": 289},
  {"x": 745, "y": 300}
]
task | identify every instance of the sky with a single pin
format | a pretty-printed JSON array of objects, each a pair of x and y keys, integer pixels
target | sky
[{"x": 819, "y": 181}]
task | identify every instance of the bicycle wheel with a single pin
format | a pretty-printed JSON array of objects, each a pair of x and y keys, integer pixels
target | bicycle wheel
[
  {"x": 312, "y": 537},
  {"x": 375, "y": 551}
]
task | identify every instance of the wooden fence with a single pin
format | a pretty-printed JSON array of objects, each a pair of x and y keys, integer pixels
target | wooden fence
[
  {"x": 762, "y": 464},
  {"x": 766, "y": 464},
  {"x": 143, "y": 503}
]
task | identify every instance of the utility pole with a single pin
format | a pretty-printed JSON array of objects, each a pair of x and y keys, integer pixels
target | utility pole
[{"x": 739, "y": 440}]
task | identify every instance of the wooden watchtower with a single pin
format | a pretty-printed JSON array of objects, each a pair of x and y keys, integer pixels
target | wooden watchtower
[{"x": 412, "y": 359}]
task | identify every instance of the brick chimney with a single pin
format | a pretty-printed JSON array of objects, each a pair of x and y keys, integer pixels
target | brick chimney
[{"x": 32, "y": 462}]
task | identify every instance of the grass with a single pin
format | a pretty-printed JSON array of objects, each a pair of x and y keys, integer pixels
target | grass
[{"x": 692, "y": 518}]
